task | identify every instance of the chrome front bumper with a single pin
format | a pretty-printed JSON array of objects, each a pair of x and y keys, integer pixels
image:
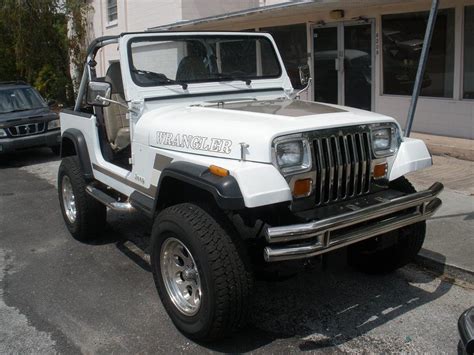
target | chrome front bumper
[{"x": 310, "y": 239}]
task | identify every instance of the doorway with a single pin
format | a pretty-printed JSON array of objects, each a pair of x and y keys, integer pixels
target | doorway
[{"x": 343, "y": 57}]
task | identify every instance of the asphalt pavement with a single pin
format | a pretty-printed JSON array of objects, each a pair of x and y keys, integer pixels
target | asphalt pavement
[
  {"x": 449, "y": 244},
  {"x": 61, "y": 295}
]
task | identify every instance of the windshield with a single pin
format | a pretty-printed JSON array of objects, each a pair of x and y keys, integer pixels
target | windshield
[
  {"x": 20, "y": 99},
  {"x": 180, "y": 60}
]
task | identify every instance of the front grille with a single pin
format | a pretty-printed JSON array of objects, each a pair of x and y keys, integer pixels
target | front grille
[
  {"x": 27, "y": 129},
  {"x": 343, "y": 166}
]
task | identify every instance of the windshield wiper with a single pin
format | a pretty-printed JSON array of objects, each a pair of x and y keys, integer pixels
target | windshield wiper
[
  {"x": 230, "y": 77},
  {"x": 162, "y": 78}
]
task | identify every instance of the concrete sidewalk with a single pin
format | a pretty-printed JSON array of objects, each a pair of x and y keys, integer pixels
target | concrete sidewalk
[
  {"x": 449, "y": 244},
  {"x": 454, "y": 147}
]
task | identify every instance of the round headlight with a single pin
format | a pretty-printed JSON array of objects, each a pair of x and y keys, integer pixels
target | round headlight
[{"x": 293, "y": 155}]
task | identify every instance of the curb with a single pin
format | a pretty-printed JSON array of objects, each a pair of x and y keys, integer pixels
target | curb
[
  {"x": 453, "y": 153},
  {"x": 445, "y": 268},
  {"x": 459, "y": 148}
]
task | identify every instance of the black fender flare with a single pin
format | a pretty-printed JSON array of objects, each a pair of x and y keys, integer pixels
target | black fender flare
[
  {"x": 80, "y": 146},
  {"x": 224, "y": 189}
]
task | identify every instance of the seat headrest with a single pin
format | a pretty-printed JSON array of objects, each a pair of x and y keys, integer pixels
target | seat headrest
[{"x": 114, "y": 77}]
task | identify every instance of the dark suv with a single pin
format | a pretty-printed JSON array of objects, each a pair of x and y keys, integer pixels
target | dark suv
[{"x": 26, "y": 120}]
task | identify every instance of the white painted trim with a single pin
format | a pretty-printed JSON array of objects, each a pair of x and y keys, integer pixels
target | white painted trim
[{"x": 111, "y": 24}]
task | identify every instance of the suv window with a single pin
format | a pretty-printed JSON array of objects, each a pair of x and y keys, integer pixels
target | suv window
[{"x": 20, "y": 99}]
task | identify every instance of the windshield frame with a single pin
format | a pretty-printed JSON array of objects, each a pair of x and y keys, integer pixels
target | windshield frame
[{"x": 195, "y": 36}]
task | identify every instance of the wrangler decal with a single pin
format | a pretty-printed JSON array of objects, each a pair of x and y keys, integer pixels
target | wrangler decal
[{"x": 218, "y": 145}]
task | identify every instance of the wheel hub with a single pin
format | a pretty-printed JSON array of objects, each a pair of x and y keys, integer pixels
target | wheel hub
[
  {"x": 180, "y": 276},
  {"x": 189, "y": 275},
  {"x": 69, "y": 200}
]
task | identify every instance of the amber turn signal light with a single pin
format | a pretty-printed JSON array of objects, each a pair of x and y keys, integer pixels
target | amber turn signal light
[
  {"x": 302, "y": 187},
  {"x": 217, "y": 170},
  {"x": 380, "y": 170}
]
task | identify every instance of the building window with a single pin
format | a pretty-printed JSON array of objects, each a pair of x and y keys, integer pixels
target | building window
[
  {"x": 468, "y": 92},
  {"x": 112, "y": 11},
  {"x": 291, "y": 42},
  {"x": 402, "y": 36}
]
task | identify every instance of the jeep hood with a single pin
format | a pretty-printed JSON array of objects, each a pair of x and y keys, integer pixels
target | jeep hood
[{"x": 219, "y": 129}]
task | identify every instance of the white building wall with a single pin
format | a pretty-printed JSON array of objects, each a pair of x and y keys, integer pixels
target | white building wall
[
  {"x": 193, "y": 9},
  {"x": 136, "y": 15},
  {"x": 139, "y": 15}
]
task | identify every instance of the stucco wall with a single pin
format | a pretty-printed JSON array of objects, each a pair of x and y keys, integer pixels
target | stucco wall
[{"x": 193, "y": 9}]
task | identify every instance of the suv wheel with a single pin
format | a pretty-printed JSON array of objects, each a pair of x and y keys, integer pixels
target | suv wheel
[
  {"x": 84, "y": 216},
  {"x": 199, "y": 272},
  {"x": 374, "y": 257}
]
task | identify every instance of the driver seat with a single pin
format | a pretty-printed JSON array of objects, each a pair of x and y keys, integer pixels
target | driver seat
[{"x": 117, "y": 125}]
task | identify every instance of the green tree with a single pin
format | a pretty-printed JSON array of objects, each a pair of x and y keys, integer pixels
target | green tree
[
  {"x": 35, "y": 46},
  {"x": 77, "y": 12}
]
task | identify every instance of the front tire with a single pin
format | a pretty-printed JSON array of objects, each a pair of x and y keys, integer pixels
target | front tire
[
  {"x": 371, "y": 257},
  {"x": 85, "y": 217},
  {"x": 199, "y": 272}
]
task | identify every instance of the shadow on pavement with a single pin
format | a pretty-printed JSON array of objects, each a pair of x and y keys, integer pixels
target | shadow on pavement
[
  {"x": 27, "y": 157},
  {"x": 331, "y": 307},
  {"x": 469, "y": 216},
  {"x": 319, "y": 309}
]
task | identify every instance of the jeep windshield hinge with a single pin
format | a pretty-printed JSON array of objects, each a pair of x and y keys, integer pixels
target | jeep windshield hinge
[{"x": 130, "y": 109}]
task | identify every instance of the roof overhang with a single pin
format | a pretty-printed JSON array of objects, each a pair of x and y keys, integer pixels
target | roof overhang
[{"x": 285, "y": 11}]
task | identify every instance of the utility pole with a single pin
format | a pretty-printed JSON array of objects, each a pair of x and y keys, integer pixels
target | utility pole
[{"x": 421, "y": 66}]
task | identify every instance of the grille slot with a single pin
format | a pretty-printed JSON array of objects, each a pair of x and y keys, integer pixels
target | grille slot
[
  {"x": 343, "y": 166},
  {"x": 27, "y": 129}
]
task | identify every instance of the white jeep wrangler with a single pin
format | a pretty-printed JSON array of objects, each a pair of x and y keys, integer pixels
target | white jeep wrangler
[{"x": 203, "y": 133}]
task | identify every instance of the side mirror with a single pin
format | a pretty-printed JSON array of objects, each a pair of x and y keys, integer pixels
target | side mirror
[
  {"x": 98, "y": 93},
  {"x": 52, "y": 103},
  {"x": 304, "y": 74}
]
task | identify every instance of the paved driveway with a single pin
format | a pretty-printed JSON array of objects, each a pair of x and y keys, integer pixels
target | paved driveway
[{"x": 60, "y": 295}]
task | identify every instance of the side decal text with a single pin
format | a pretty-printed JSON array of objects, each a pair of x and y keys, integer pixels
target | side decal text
[{"x": 218, "y": 145}]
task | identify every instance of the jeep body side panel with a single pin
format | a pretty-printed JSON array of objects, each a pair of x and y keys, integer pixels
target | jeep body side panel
[
  {"x": 151, "y": 163},
  {"x": 103, "y": 171}
]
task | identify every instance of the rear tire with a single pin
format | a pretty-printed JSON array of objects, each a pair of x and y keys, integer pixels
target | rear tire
[
  {"x": 369, "y": 256},
  {"x": 204, "y": 247},
  {"x": 85, "y": 217}
]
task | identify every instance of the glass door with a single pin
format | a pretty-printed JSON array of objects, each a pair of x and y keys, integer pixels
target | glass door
[
  {"x": 325, "y": 56},
  {"x": 343, "y": 64},
  {"x": 358, "y": 66}
]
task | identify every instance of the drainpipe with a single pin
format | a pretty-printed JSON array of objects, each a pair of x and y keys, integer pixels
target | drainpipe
[{"x": 421, "y": 66}]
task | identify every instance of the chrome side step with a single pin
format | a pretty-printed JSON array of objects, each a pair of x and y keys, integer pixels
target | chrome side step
[{"x": 107, "y": 200}]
